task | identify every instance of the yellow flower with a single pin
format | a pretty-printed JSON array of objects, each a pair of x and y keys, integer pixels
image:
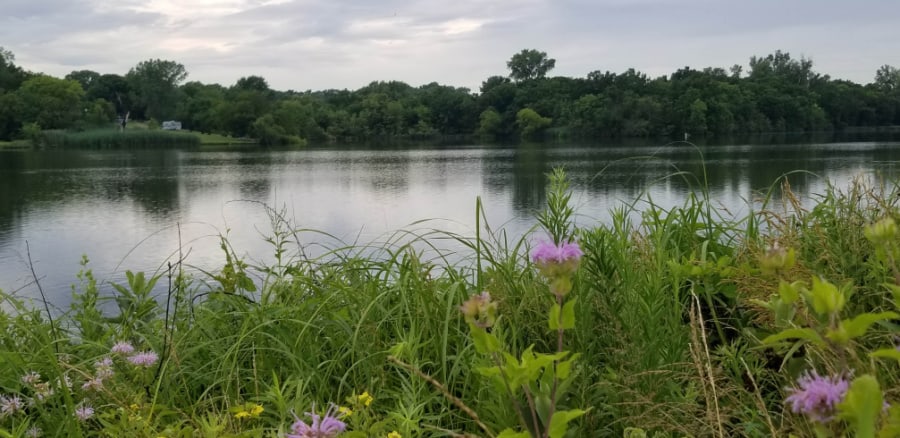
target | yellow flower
[
  {"x": 256, "y": 410},
  {"x": 345, "y": 411},
  {"x": 242, "y": 414},
  {"x": 134, "y": 407},
  {"x": 365, "y": 399},
  {"x": 394, "y": 434}
]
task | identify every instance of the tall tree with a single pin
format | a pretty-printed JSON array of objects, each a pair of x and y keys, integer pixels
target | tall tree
[
  {"x": 11, "y": 75},
  {"x": 887, "y": 78},
  {"x": 529, "y": 64},
  {"x": 50, "y": 102},
  {"x": 155, "y": 85},
  {"x": 84, "y": 77}
]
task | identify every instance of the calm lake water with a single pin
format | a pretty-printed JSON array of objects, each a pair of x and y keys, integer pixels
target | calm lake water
[{"x": 124, "y": 209}]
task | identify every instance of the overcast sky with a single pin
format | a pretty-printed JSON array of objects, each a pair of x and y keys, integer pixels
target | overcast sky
[{"x": 319, "y": 44}]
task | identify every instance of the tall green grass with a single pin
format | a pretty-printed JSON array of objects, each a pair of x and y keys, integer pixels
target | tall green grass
[
  {"x": 115, "y": 139},
  {"x": 667, "y": 327}
]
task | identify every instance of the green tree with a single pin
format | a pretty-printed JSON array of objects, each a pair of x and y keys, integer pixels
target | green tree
[
  {"x": 50, "y": 102},
  {"x": 245, "y": 102},
  {"x": 199, "y": 108},
  {"x": 11, "y": 75},
  {"x": 531, "y": 123},
  {"x": 490, "y": 123},
  {"x": 155, "y": 86},
  {"x": 529, "y": 64},
  {"x": 112, "y": 88},
  {"x": 84, "y": 77},
  {"x": 887, "y": 79}
]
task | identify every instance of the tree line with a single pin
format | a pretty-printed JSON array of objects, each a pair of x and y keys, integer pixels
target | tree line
[{"x": 777, "y": 93}]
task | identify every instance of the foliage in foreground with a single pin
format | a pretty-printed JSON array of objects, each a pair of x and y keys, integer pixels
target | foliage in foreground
[{"x": 687, "y": 322}]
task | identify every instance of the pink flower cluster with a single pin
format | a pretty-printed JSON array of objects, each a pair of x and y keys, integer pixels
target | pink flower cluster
[
  {"x": 817, "y": 396},
  {"x": 141, "y": 359},
  {"x": 327, "y": 426},
  {"x": 548, "y": 253}
]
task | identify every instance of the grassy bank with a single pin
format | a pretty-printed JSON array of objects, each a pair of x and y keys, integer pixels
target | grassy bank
[
  {"x": 15, "y": 144},
  {"x": 671, "y": 317},
  {"x": 115, "y": 139}
]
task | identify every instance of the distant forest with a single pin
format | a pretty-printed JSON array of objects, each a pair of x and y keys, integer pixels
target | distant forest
[{"x": 777, "y": 93}]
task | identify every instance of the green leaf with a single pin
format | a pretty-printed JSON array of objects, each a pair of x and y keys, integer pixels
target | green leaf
[
  {"x": 858, "y": 326},
  {"x": 807, "y": 334},
  {"x": 886, "y": 353},
  {"x": 554, "y": 317},
  {"x": 564, "y": 368},
  {"x": 862, "y": 405},
  {"x": 559, "y": 424},
  {"x": 827, "y": 299},
  {"x": 634, "y": 432},
  {"x": 509, "y": 433},
  {"x": 485, "y": 343},
  {"x": 895, "y": 291},
  {"x": 568, "y": 314},
  {"x": 542, "y": 406},
  {"x": 788, "y": 292}
]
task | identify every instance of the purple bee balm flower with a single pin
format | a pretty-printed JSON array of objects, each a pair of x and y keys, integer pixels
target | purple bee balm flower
[
  {"x": 10, "y": 405},
  {"x": 104, "y": 368},
  {"x": 84, "y": 412},
  {"x": 557, "y": 263},
  {"x": 143, "y": 359},
  {"x": 556, "y": 260},
  {"x": 31, "y": 377},
  {"x": 94, "y": 384},
  {"x": 547, "y": 252},
  {"x": 327, "y": 426},
  {"x": 817, "y": 396},
  {"x": 122, "y": 347}
]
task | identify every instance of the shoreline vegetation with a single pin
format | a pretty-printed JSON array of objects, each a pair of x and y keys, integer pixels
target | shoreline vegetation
[
  {"x": 773, "y": 93},
  {"x": 661, "y": 323}
]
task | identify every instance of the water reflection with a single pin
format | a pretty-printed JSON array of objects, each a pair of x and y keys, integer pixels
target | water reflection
[{"x": 124, "y": 209}]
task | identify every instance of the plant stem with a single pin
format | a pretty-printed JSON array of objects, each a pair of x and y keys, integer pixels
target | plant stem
[{"x": 559, "y": 349}]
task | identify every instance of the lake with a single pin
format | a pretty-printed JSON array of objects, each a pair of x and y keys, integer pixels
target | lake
[{"x": 130, "y": 209}]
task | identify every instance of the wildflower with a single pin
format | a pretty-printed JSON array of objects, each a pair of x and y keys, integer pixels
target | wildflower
[
  {"x": 65, "y": 380},
  {"x": 94, "y": 384},
  {"x": 817, "y": 396},
  {"x": 345, "y": 411},
  {"x": 34, "y": 432},
  {"x": 10, "y": 405},
  {"x": 134, "y": 407},
  {"x": 256, "y": 410},
  {"x": 104, "y": 368},
  {"x": 143, "y": 359},
  {"x": 557, "y": 262},
  {"x": 242, "y": 415},
  {"x": 394, "y": 434},
  {"x": 84, "y": 412},
  {"x": 42, "y": 391},
  {"x": 122, "y": 347},
  {"x": 327, "y": 426},
  {"x": 31, "y": 377},
  {"x": 365, "y": 398},
  {"x": 479, "y": 310}
]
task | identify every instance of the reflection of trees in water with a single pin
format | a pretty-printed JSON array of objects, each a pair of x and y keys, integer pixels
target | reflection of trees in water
[
  {"x": 31, "y": 177},
  {"x": 530, "y": 167},
  {"x": 734, "y": 173},
  {"x": 390, "y": 173}
]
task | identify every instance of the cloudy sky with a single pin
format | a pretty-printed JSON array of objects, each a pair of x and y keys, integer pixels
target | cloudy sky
[{"x": 318, "y": 44}]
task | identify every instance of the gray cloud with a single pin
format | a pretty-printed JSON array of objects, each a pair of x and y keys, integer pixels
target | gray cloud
[{"x": 315, "y": 44}]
